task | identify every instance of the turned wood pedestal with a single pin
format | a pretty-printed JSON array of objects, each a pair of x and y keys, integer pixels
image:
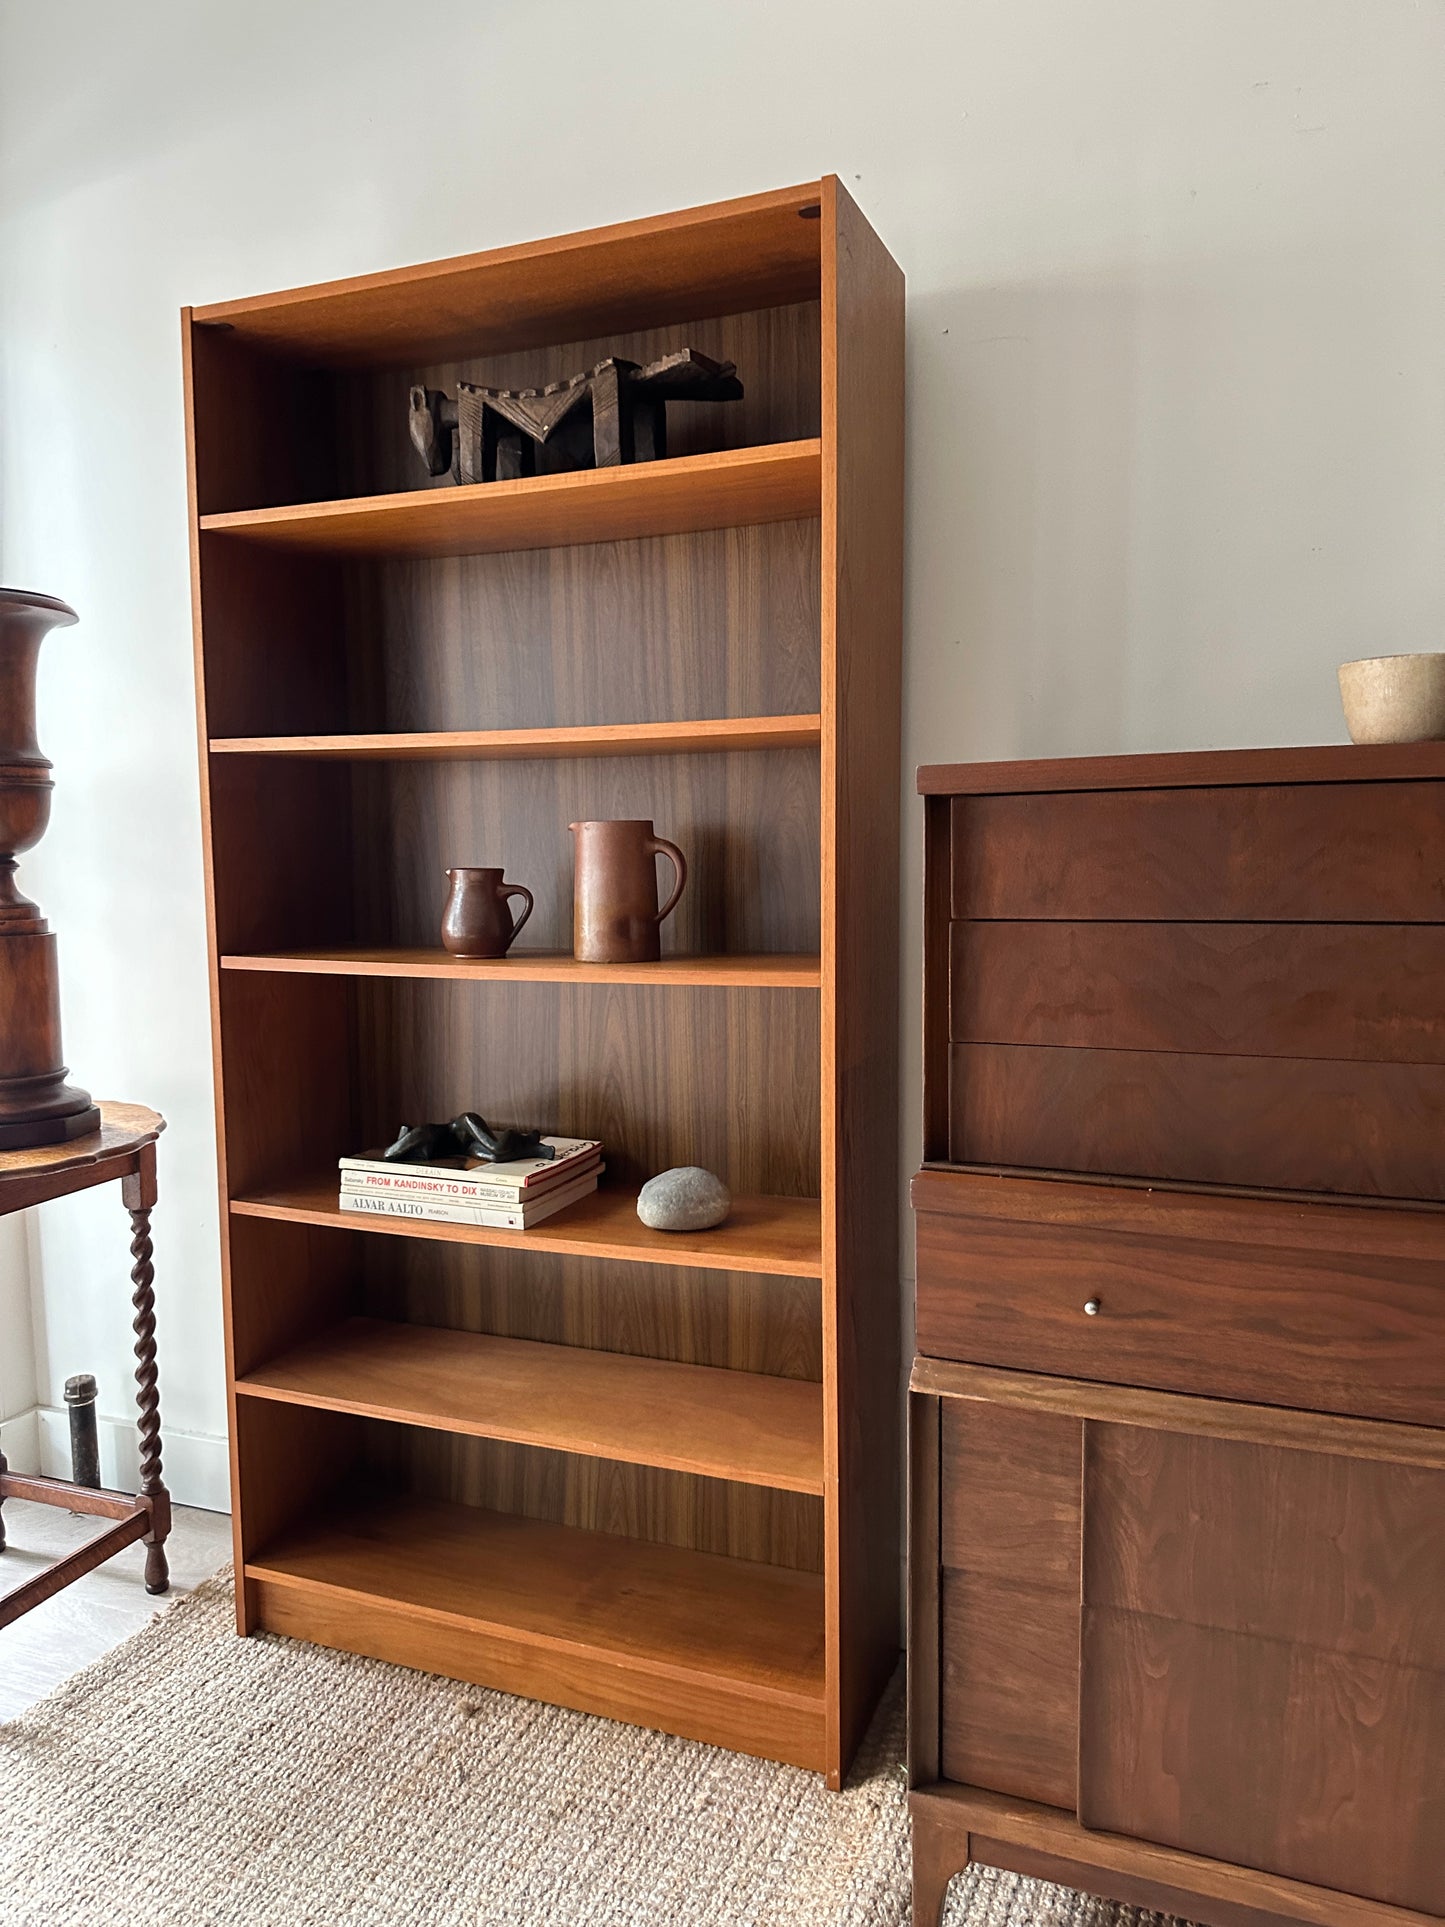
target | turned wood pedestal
[{"x": 124, "y": 1147}]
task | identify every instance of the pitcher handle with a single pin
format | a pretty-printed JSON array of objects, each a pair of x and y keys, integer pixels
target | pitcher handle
[
  {"x": 517, "y": 890},
  {"x": 659, "y": 846}
]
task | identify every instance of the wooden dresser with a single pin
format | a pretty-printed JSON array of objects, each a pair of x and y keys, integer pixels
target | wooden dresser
[{"x": 1177, "y": 1444}]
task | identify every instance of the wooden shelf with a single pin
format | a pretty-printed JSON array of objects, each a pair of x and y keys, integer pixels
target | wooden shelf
[
  {"x": 781, "y": 482},
  {"x": 515, "y": 745},
  {"x": 544, "y": 967},
  {"x": 752, "y": 253},
  {"x": 779, "y": 1237},
  {"x": 685, "y": 1641},
  {"x": 741, "y": 1426}
]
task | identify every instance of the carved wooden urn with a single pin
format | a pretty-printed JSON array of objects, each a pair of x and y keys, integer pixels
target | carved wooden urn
[{"x": 37, "y": 1106}]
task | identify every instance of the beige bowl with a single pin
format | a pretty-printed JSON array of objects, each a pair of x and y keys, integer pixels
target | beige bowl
[{"x": 1395, "y": 699}]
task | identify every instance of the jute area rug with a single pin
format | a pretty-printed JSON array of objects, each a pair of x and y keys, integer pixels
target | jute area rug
[{"x": 193, "y": 1779}]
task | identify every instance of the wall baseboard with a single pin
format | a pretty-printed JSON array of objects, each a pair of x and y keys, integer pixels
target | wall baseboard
[{"x": 195, "y": 1465}]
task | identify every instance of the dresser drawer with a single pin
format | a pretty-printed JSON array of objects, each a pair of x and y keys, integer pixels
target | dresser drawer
[
  {"x": 1288, "y": 853},
  {"x": 1315, "y": 1305}
]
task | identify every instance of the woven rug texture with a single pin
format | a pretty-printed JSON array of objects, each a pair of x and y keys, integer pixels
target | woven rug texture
[{"x": 193, "y": 1779}]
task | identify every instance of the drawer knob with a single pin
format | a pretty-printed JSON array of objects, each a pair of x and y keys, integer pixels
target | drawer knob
[{"x": 1092, "y": 1307}]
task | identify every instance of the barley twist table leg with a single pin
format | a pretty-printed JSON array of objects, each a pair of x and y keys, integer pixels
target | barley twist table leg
[{"x": 157, "y": 1575}]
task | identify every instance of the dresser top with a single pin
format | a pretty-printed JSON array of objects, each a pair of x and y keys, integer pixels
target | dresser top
[{"x": 1200, "y": 768}]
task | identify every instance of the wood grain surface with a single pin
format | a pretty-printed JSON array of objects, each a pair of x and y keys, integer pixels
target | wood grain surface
[
  {"x": 778, "y": 972},
  {"x": 1288, "y": 1123},
  {"x": 731, "y": 488},
  {"x": 1012, "y": 1833},
  {"x": 517, "y": 745},
  {"x": 1343, "y": 852},
  {"x": 689, "y": 1418},
  {"x": 1009, "y": 1628},
  {"x": 763, "y": 1235},
  {"x": 1369, "y": 993},
  {"x": 644, "y": 1502},
  {"x": 1189, "y": 769},
  {"x": 673, "y": 1620},
  {"x": 1219, "y": 1418},
  {"x": 757, "y": 250},
  {"x": 862, "y": 646},
  {"x": 1262, "y": 1659},
  {"x": 674, "y": 1309},
  {"x": 1334, "y": 1329}
]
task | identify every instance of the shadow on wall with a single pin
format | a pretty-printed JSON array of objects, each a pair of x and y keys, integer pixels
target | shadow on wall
[
  {"x": 1153, "y": 510},
  {"x": 1021, "y": 472}
]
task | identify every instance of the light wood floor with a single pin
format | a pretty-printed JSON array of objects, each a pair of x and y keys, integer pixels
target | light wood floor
[{"x": 82, "y": 1623}]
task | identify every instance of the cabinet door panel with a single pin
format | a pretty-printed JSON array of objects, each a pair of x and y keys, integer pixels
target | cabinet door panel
[
  {"x": 1263, "y": 1659},
  {"x": 1010, "y": 1687},
  {"x": 1009, "y": 1600}
]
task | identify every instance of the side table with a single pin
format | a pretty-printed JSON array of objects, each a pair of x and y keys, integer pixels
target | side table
[{"x": 124, "y": 1147}]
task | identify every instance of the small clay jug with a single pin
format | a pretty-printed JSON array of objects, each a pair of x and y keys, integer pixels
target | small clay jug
[
  {"x": 477, "y": 921},
  {"x": 615, "y": 916}
]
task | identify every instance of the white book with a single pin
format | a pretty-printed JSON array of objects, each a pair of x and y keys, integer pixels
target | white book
[
  {"x": 463, "y": 1187},
  {"x": 519, "y": 1217}
]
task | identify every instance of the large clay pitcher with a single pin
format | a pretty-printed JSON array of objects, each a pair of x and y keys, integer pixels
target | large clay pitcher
[
  {"x": 477, "y": 921},
  {"x": 615, "y": 917},
  {"x": 37, "y": 1106}
]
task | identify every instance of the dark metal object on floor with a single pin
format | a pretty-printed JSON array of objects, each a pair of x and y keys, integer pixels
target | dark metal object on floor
[
  {"x": 124, "y": 1147},
  {"x": 80, "y": 1395}
]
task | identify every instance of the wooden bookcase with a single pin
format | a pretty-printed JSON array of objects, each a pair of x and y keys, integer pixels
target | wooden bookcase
[{"x": 653, "y": 1477}]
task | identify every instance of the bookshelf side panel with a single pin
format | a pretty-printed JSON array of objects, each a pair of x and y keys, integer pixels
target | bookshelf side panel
[{"x": 862, "y": 672}]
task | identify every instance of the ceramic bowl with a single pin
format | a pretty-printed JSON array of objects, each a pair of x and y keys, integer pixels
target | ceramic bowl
[{"x": 1395, "y": 699}]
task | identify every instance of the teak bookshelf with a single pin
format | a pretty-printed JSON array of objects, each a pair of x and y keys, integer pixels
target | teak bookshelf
[{"x": 654, "y": 1477}]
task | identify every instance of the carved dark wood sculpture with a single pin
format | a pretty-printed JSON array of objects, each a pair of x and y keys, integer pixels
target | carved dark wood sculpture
[{"x": 612, "y": 413}]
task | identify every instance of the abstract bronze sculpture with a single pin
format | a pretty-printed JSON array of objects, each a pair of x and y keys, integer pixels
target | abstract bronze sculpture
[
  {"x": 612, "y": 413},
  {"x": 467, "y": 1136}
]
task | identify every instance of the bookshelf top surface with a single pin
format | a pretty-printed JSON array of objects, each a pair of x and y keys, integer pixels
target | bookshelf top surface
[{"x": 725, "y": 258}]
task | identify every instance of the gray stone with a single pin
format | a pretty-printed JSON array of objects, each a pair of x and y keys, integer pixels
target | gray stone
[{"x": 685, "y": 1199}]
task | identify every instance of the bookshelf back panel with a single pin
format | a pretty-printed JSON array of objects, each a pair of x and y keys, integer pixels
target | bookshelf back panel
[
  {"x": 292, "y": 434},
  {"x": 777, "y": 352},
  {"x": 720, "y": 623},
  {"x": 288, "y": 1076},
  {"x": 746, "y": 822},
  {"x": 600, "y": 1495},
  {"x": 317, "y": 1066},
  {"x": 289, "y": 1282},
  {"x": 329, "y": 855},
  {"x": 723, "y": 1078},
  {"x": 726, "y": 1319}
]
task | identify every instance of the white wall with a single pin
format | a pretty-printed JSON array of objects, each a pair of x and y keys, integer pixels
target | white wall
[{"x": 1176, "y": 411}]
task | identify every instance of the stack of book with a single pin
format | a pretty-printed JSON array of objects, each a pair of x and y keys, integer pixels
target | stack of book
[{"x": 507, "y": 1197}]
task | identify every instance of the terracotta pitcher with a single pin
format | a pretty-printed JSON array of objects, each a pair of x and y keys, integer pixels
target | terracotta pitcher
[
  {"x": 615, "y": 916},
  {"x": 477, "y": 921}
]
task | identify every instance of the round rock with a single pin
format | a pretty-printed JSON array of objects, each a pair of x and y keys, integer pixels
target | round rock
[{"x": 685, "y": 1199}]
